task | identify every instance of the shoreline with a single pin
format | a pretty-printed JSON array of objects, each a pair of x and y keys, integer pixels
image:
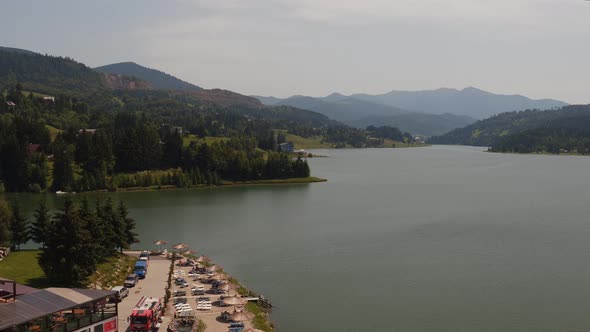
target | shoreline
[
  {"x": 225, "y": 184},
  {"x": 565, "y": 154},
  {"x": 257, "y": 312},
  {"x": 273, "y": 182}
]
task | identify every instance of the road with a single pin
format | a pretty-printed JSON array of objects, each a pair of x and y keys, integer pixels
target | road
[{"x": 154, "y": 285}]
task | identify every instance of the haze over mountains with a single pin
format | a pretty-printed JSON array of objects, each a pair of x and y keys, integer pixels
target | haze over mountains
[{"x": 429, "y": 112}]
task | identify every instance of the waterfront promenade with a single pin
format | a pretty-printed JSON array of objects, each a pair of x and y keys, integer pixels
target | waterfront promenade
[{"x": 209, "y": 317}]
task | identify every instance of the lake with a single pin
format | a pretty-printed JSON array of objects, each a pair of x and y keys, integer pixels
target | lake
[{"x": 426, "y": 239}]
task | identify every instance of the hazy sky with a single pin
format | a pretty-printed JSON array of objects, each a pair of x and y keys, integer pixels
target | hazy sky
[{"x": 539, "y": 48}]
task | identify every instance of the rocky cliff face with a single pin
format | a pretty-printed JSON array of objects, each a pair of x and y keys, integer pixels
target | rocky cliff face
[
  {"x": 227, "y": 98},
  {"x": 123, "y": 82}
]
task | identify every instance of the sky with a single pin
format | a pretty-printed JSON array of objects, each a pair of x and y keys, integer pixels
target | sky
[{"x": 538, "y": 48}]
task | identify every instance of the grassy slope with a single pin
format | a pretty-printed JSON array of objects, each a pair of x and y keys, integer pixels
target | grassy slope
[
  {"x": 53, "y": 132},
  {"x": 22, "y": 267},
  {"x": 186, "y": 140},
  {"x": 308, "y": 143},
  {"x": 112, "y": 272}
]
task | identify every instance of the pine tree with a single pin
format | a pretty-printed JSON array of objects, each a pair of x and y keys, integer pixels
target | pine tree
[
  {"x": 19, "y": 227},
  {"x": 38, "y": 228},
  {"x": 5, "y": 216},
  {"x": 115, "y": 223},
  {"x": 67, "y": 258},
  {"x": 130, "y": 235},
  {"x": 306, "y": 172},
  {"x": 63, "y": 171}
]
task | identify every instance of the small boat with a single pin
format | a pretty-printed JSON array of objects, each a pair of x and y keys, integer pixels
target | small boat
[{"x": 59, "y": 192}]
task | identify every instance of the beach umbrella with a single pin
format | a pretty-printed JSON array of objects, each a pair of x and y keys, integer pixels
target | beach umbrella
[
  {"x": 219, "y": 276},
  {"x": 160, "y": 243},
  {"x": 189, "y": 252},
  {"x": 238, "y": 317},
  {"x": 228, "y": 287},
  {"x": 214, "y": 268},
  {"x": 202, "y": 259},
  {"x": 233, "y": 300},
  {"x": 180, "y": 246}
]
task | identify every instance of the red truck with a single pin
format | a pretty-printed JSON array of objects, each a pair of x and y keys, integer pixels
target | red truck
[{"x": 146, "y": 315}]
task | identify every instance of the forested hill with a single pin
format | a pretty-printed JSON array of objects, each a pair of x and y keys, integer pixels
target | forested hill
[
  {"x": 15, "y": 50},
  {"x": 88, "y": 135},
  {"x": 48, "y": 74},
  {"x": 528, "y": 128},
  {"x": 157, "y": 79}
]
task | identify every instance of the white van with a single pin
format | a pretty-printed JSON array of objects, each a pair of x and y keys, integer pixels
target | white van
[{"x": 120, "y": 292}]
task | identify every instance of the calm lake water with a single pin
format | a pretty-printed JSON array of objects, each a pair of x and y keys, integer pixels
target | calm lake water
[{"x": 426, "y": 239}]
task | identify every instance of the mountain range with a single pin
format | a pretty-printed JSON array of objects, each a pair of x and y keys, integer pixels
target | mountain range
[{"x": 428, "y": 112}]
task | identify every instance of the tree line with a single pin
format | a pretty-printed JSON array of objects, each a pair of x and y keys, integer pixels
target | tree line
[
  {"x": 74, "y": 239},
  {"x": 121, "y": 144}
]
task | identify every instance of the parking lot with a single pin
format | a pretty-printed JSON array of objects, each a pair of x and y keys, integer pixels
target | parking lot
[{"x": 153, "y": 285}]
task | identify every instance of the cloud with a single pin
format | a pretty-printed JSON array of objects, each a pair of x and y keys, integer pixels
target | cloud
[{"x": 348, "y": 11}]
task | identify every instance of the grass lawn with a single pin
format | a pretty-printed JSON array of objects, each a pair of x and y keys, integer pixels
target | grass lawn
[
  {"x": 22, "y": 267},
  {"x": 53, "y": 132},
  {"x": 307, "y": 143},
  {"x": 186, "y": 140}
]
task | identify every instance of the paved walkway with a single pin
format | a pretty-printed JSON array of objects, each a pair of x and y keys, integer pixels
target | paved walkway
[
  {"x": 154, "y": 285},
  {"x": 210, "y": 317}
]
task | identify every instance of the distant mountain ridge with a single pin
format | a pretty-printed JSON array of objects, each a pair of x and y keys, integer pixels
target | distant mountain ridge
[
  {"x": 428, "y": 112},
  {"x": 156, "y": 78},
  {"x": 469, "y": 101},
  {"x": 361, "y": 113}
]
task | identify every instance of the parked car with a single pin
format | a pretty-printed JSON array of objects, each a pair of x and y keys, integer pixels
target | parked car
[
  {"x": 131, "y": 280},
  {"x": 145, "y": 254},
  {"x": 121, "y": 292}
]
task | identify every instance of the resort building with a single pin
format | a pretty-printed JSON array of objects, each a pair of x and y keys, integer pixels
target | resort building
[
  {"x": 287, "y": 147},
  {"x": 56, "y": 310}
]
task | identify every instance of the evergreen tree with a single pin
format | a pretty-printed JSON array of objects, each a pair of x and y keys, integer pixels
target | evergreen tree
[
  {"x": 102, "y": 231},
  {"x": 130, "y": 235},
  {"x": 67, "y": 258},
  {"x": 5, "y": 220},
  {"x": 173, "y": 150},
  {"x": 115, "y": 224},
  {"x": 92, "y": 225},
  {"x": 39, "y": 227},
  {"x": 63, "y": 168},
  {"x": 18, "y": 227}
]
